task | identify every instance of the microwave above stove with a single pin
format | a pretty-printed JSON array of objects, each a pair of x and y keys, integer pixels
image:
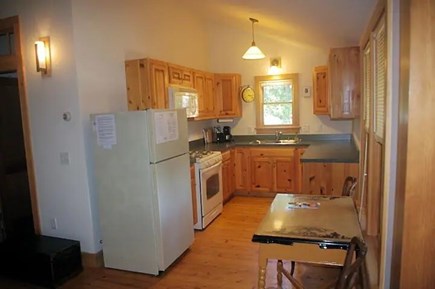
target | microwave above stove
[{"x": 184, "y": 97}]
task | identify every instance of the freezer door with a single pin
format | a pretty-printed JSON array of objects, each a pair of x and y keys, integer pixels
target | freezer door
[
  {"x": 168, "y": 136},
  {"x": 175, "y": 219}
]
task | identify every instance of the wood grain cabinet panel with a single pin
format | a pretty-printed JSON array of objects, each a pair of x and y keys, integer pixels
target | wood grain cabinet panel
[
  {"x": 242, "y": 172},
  {"x": 180, "y": 75},
  {"x": 193, "y": 189},
  {"x": 285, "y": 175},
  {"x": 227, "y": 87},
  {"x": 344, "y": 82},
  {"x": 147, "y": 84},
  {"x": 262, "y": 174},
  {"x": 320, "y": 90},
  {"x": 327, "y": 178},
  {"x": 227, "y": 176},
  {"x": 203, "y": 82},
  {"x": 273, "y": 170}
]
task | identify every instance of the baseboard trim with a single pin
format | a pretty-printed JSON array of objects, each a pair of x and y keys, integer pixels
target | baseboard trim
[{"x": 93, "y": 260}]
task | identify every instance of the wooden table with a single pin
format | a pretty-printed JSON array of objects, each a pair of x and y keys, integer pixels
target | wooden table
[{"x": 320, "y": 234}]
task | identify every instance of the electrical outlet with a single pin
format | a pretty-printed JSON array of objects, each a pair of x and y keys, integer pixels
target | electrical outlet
[
  {"x": 53, "y": 223},
  {"x": 305, "y": 128}
]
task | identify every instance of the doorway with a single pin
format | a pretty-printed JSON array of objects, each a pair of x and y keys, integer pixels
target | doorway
[{"x": 18, "y": 204}]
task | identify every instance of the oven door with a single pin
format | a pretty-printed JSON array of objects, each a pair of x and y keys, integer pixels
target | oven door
[{"x": 211, "y": 188}]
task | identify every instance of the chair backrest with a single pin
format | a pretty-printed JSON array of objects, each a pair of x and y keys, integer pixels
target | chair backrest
[
  {"x": 349, "y": 186},
  {"x": 354, "y": 271}
]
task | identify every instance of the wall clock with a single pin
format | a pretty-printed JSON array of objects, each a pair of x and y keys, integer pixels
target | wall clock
[{"x": 248, "y": 94}]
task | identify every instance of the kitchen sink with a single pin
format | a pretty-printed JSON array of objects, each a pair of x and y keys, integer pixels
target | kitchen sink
[{"x": 275, "y": 142}]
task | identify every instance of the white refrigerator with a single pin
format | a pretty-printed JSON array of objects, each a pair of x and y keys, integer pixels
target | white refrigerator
[{"x": 142, "y": 176}]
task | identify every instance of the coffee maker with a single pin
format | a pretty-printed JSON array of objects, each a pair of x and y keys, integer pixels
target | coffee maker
[{"x": 227, "y": 134}]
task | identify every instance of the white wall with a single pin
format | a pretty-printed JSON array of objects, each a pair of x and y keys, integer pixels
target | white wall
[
  {"x": 62, "y": 190},
  {"x": 228, "y": 43}
]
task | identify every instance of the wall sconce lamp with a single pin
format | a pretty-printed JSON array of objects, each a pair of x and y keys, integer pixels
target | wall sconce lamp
[
  {"x": 275, "y": 65},
  {"x": 42, "y": 54}
]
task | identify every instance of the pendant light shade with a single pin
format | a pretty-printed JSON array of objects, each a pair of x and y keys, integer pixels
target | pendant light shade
[{"x": 253, "y": 52}]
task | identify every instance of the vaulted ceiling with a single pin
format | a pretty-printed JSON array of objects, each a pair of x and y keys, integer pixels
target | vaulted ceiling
[{"x": 315, "y": 21}]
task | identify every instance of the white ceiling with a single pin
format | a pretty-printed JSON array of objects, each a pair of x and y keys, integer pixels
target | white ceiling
[{"x": 315, "y": 21}]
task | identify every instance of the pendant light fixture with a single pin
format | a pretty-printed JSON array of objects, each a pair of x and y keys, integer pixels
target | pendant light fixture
[{"x": 253, "y": 52}]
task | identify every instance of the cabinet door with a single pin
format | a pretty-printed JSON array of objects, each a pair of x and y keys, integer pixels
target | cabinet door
[
  {"x": 147, "y": 84},
  {"x": 298, "y": 169},
  {"x": 158, "y": 92},
  {"x": 242, "y": 170},
  {"x": 320, "y": 90},
  {"x": 180, "y": 75},
  {"x": 327, "y": 178},
  {"x": 262, "y": 174},
  {"x": 227, "y": 95},
  {"x": 135, "y": 75},
  {"x": 344, "y": 82},
  {"x": 203, "y": 82},
  {"x": 193, "y": 189},
  {"x": 227, "y": 175},
  {"x": 284, "y": 175}
]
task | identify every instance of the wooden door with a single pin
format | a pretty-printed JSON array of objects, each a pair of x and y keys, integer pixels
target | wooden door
[
  {"x": 227, "y": 94},
  {"x": 203, "y": 82},
  {"x": 12, "y": 62},
  {"x": 242, "y": 169},
  {"x": 320, "y": 90},
  {"x": 262, "y": 174},
  {"x": 227, "y": 171},
  {"x": 158, "y": 73},
  {"x": 284, "y": 169},
  {"x": 193, "y": 190},
  {"x": 344, "y": 82}
]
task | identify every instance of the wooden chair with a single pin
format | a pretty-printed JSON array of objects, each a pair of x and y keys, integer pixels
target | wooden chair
[
  {"x": 349, "y": 186},
  {"x": 352, "y": 275}
]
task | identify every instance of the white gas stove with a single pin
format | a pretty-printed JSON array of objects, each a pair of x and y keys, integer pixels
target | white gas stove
[
  {"x": 209, "y": 195},
  {"x": 205, "y": 159}
]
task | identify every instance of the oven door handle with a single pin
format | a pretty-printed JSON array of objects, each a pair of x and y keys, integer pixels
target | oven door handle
[{"x": 206, "y": 170}]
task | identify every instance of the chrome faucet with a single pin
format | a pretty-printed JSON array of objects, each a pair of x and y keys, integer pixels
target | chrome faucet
[
  {"x": 278, "y": 134},
  {"x": 297, "y": 139}
]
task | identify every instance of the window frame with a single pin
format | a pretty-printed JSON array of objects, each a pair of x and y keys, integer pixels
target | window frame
[{"x": 260, "y": 126}]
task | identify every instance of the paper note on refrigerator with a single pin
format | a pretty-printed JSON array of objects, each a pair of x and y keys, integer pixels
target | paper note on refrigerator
[
  {"x": 166, "y": 126},
  {"x": 106, "y": 130}
]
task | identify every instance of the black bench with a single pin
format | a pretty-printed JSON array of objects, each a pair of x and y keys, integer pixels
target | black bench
[{"x": 41, "y": 260}]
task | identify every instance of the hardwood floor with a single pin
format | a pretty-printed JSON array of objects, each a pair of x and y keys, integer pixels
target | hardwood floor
[{"x": 222, "y": 256}]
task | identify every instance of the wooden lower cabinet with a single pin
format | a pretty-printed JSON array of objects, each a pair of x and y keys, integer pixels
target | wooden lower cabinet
[
  {"x": 327, "y": 178},
  {"x": 227, "y": 176},
  {"x": 193, "y": 188},
  {"x": 242, "y": 174},
  {"x": 273, "y": 170}
]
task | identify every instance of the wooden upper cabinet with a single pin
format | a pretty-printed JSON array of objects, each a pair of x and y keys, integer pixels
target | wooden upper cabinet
[
  {"x": 180, "y": 75},
  {"x": 147, "y": 84},
  {"x": 344, "y": 82},
  {"x": 227, "y": 95},
  {"x": 320, "y": 90},
  {"x": 203, "y": 82}
]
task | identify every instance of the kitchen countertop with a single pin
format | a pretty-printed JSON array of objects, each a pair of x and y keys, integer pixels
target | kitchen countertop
[{"x": 319, "y": 148}]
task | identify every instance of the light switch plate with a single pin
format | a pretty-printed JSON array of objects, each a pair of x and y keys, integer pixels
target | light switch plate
[{"x": 306, "y": 91}]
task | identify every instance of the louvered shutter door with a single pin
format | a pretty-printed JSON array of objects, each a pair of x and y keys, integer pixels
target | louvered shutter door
[
  {"x": 380, "y": 80},
  {"x": 367, "y": 81}
]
